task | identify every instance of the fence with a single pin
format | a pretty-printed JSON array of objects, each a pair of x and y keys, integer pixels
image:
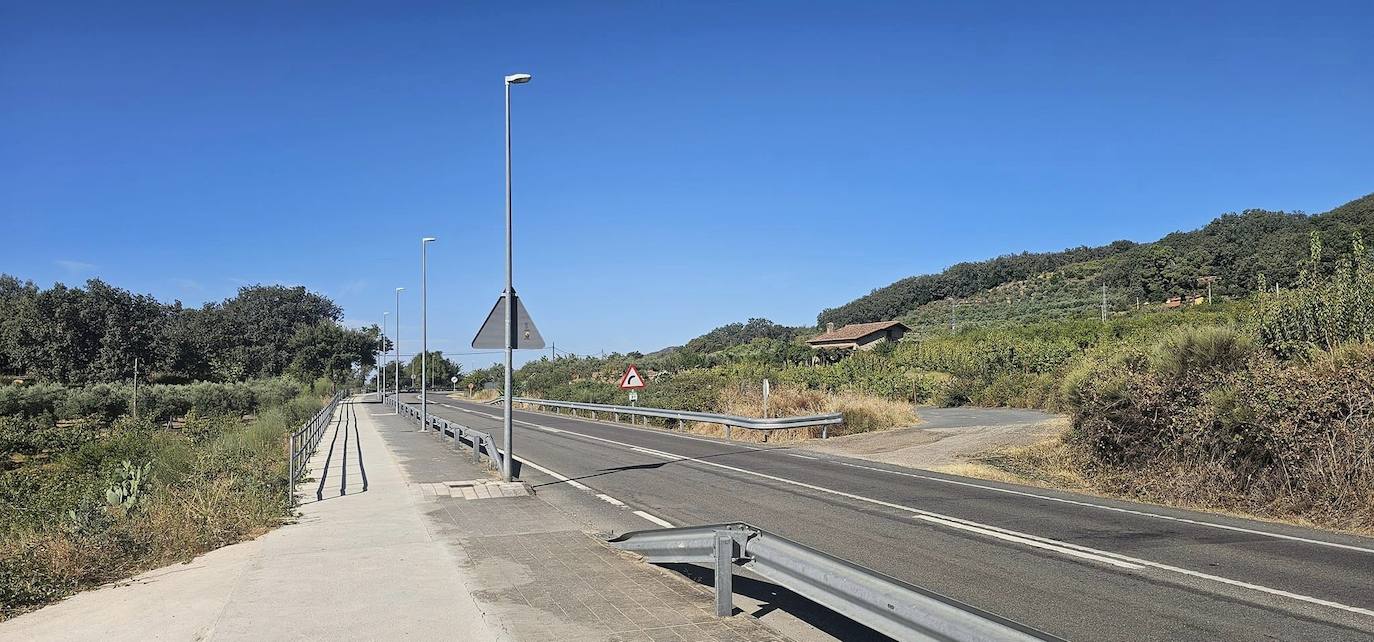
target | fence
[
  {"x": 729, "y": 421},
  {"x": 304, "y": 441},
  {"x": 882, "y": 603}
]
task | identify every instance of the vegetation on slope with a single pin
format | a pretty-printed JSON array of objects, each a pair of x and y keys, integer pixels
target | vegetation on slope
[
  {"x": 1234, "y": 248},
  {"x": 91, "y": 500}
]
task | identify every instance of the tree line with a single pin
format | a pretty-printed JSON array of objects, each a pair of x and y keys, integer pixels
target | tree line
[{"x": 81, "y": 335}]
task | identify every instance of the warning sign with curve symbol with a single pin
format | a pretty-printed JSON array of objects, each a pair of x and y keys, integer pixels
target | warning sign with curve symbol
[{"x": 631, "y": 379}]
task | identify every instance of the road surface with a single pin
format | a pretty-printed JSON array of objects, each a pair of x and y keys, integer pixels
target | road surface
[{"x": 1075, "y": 566}]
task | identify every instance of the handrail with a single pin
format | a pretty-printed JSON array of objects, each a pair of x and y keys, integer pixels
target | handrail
[
  {"x": 304, "y": 440},
  {"x": 885, "y": 604},
  {"x": 752, "y": 423}
]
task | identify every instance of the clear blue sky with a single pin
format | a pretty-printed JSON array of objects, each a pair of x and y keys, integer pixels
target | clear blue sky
[{"x": 678, "y": 165}]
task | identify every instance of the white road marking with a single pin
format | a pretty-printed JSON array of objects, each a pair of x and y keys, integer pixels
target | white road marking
[
  {"x": 1141, "y": 513},
  {"x": 986, "y": 529},
  {"x": 1031, "y": 542},
  {"x": 575, "y": 484},
  {"x": 801, "y": 456},
  {"x": 657, "y": 520},
  {"x": 1074, "y": 502},
  {"x": 657, "y": 453},
  {"x": 609, "y": 500}
]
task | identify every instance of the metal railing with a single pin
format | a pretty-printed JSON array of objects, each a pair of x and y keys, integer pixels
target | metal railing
[
  {"x": 729, "y": 421},
  {"x": 479, "y": 441},
  {"x": 884, "y": 604},
  {"x": 304, "y": 440}
]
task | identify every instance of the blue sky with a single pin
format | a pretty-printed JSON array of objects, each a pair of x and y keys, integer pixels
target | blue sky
[{"x": 678, "y": 165}]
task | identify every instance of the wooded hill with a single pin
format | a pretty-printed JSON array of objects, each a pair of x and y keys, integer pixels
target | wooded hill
[{"x": 1235, "y": 248}]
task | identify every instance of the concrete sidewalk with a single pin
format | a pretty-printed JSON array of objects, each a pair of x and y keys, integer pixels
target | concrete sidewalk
[{"x": 361, "y": 563}]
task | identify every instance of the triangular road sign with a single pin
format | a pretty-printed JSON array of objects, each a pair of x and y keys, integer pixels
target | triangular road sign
[
  {"x": 493, "y": 333},
  {"x": 631, "y": 379}
]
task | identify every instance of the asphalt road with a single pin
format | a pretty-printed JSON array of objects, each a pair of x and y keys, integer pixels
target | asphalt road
[{"x": 1075, "y": 566}]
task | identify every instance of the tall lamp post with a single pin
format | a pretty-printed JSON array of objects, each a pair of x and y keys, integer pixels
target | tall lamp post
[
  {"x": 381, "y": 367},
  {"x": 398, "y": 350},
  {"x": 424, "y": 331},
  {"x": 513, "y": 79}
]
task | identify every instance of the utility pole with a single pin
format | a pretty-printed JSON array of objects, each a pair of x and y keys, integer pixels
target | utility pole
[
  {"x": 1104, "y": 302},
  {"x": 952, "y": 304},
  {"x": 135, "y": 387},
  {"x": 1207, "y": 280}
]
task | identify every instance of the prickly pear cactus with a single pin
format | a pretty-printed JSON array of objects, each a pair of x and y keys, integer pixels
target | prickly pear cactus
[{"x": 128, "y": 490}]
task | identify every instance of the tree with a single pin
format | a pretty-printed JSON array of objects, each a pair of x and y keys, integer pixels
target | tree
[
  {"x": 327, "y": 349},
  {"x": 438, "y": 369}
]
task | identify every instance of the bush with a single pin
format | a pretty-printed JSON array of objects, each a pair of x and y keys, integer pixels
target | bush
[
  {"x": 1201, "y": 349},
  {"x": 175, "y": 494}
]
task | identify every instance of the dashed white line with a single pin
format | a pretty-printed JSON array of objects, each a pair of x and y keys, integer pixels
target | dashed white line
[
  {"x": 609, "y": 500},
  {"x": 1083, "y": 552},
  {"x": 657, "y": 520},
  {"x": 801, "y": 456},
  {"x": 1067, "y": 548}
]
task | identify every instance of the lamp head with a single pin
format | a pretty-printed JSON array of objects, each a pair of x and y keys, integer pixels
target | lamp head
[
  {"x": 517, "y": 79},
  {"x": 428, "y": 239}
]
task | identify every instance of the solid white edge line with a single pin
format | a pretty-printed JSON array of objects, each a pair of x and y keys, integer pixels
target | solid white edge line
[
  {"x": 801, "y": 456},
  {"x": 609, "y": 500},
  {"x": 1009, "y": 491},
  {"x": 1049, "y": 498},
  {"x": 1040, "y": 542},
  {"x": 1140, "y": 513},
  {"x": 575, "y": 484},
  {"x": 657, "y": 520},
  {"x": 1010, "y": 535}
]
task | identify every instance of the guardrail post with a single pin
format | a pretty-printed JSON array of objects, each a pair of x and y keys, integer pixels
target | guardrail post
[{"x": 725, "y": 563}]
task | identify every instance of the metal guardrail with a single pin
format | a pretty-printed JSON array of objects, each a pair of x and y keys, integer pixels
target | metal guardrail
[
  {"x": 884, "y": 604},
  {"x": 304, "y": 440},
  {"x": 729, "y": 421},
  {"x": 479, "y": 441}
]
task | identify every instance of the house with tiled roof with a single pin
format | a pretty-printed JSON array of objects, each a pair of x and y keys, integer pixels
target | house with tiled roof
[{"x": 859, "y": 336}]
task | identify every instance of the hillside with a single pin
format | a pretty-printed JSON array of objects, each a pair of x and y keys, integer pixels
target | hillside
[{"x": 1235, "y": 248}]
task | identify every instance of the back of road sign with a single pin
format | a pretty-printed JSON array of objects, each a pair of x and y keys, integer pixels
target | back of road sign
[{"x": 524, "y": 335}]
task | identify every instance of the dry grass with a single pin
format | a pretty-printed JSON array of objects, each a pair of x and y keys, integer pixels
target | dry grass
[
  {"x": 1054, "y": 463},
  {"x": 862, "y": 413}
]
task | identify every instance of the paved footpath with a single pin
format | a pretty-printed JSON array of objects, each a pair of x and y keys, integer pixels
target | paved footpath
[{"x": 400, "y": 536}]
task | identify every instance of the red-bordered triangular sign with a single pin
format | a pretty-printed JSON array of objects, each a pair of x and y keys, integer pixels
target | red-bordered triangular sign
[{"x": 631, "y": 379}]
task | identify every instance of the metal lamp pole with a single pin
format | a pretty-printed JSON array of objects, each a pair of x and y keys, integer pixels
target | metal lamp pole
[
  {"x": 424, "y": 331},
  {"x": 506, "y": 423},
  {"x": 381, "y": 363},
  {"x": 398, "y": 350}
]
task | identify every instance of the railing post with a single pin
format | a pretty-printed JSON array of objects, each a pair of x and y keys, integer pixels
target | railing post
[
  {"x": 725, "y": 563},
  {"x": 291, "y": 472}
]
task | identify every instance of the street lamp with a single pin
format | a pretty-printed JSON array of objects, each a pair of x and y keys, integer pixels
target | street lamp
[
  {"x": 381, "y": 362},
  {"x": 398, "y": 350},
  {"x": 424, "y": 331},
  {"x": 506, "y": 423}
]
